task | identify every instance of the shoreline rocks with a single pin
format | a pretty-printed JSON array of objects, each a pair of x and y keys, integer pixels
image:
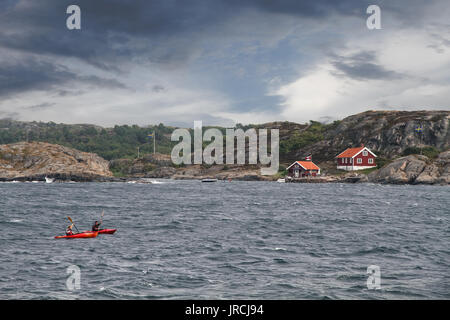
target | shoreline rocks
[
  {"x": 415, "y": 169},
  {"x": 34, "y": 161}
]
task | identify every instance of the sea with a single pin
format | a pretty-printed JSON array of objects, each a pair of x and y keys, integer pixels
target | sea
[{"x": 225, "y": 240}]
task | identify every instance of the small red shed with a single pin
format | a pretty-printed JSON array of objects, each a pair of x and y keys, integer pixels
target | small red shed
[
  {"x": 301, "y": 169},
  {"x": 356, "y": 159}
]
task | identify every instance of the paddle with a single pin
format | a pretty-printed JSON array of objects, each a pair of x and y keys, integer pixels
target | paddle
[
  {"x": 101, "y": 220},
  {"x": 70, "y": 219}
]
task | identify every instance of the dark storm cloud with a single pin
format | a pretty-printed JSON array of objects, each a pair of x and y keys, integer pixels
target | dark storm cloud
[
  {"x": 362, "y": 66},
  {"x": 118, "y": 34},
  {"x": 108, "y": 29},
  {"x": 309, "y": 9},
  {"x": 37, "y": 75},
  {"x": 169, "y": 28}
]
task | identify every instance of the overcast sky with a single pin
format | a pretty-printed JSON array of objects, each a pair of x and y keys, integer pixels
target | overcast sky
[{"x": 222, "y": 62}]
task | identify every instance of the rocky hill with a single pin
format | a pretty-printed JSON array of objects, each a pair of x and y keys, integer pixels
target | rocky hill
[
  {"x": 37, "y": 160},
  {"x": 388, "y": 133}
]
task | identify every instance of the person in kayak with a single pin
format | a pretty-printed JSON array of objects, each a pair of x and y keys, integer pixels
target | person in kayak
[
  {"x": 96, "y": 226},
  {"x": 69, "y": 231}
]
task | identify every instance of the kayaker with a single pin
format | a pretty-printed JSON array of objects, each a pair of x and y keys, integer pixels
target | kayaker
[
  {"x": 69, "y": 231},
  {"x": 96, "y": 226}
]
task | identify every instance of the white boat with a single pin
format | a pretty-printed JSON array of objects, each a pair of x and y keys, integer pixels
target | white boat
[
  {"x": 209, "y": 180},
  {"x": 49, "y": 180},
  {"x": 281, "y": 180}
]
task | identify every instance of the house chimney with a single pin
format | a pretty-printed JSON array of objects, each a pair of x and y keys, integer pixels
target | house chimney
[{"x": 362, "y": 145}]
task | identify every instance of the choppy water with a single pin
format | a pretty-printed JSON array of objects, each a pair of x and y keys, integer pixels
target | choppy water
[{"x": 226, "y": 240}]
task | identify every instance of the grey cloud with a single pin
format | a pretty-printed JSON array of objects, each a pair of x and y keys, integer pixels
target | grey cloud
[
  {"x": 440, "y": 41},
  {"x": 362, "y": 66},
  {"x": 163, "y": 32},
  {"x": 158, "y": 88},
  {"x": 39, "y": 75},
  {"x": 168, "y": 29},
  {"x": 9, "y": 115},
  {"x": 41, "y": 106}
]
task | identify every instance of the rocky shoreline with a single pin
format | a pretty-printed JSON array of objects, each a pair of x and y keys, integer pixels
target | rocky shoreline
[
  {"x": 40, "y": 161},
  {"x": 412, "y": 169}
]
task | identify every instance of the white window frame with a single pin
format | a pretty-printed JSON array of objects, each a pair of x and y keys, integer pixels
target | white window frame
[
  {"x": 358, "y": 160},
  {"x": 365, "y": 153},
  {"x": 370, "y": 160}
]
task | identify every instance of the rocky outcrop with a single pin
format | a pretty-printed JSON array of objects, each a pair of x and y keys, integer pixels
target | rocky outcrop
[
  {"x": 387, "y": 133},
  {"x": 37, "y": 160},
  {"x": 402, "y": 170},
  {"x": 415, "y": 169},
  {"x": 443, "y": 161}
]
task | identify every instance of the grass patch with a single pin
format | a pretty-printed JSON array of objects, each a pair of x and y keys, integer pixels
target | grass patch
[
  {"x": 429, "y": 151},
  {"x": 367, "y": 171},
  {"x": 381, "y": 162}
]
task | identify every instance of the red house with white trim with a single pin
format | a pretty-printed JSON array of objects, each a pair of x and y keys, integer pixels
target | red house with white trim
[
  {"x": 356, "y": 159},
  {"x": 301, "y": 169}
]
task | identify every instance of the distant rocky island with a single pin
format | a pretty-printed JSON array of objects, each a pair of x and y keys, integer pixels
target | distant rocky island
[
  {"x": 34, "y": 161},
  {"x": 404, "y": 156}
]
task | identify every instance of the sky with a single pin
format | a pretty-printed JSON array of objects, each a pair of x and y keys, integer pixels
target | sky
[{"x": 220, "y": 61}]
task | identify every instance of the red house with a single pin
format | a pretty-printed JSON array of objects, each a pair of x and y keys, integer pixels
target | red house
[
  {"x": 303, "y": 169},
  {"x": 356, "y": 159}
]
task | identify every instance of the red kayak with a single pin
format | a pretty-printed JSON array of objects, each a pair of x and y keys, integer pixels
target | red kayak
[
  {"x": 87, "y": 234},
  {"x": 107, "y": 231}
]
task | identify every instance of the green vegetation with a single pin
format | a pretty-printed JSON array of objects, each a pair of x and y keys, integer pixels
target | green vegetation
[
  {"x": 298, "y": 140},
  {"x": 430, "y": 152},
  {"x": 368, "y": 170},
  {"x": 112, "y": 143},
  {"x": 381, "y": 162},
  {"x": 118, "y": 173},
  {"x": 282, "y": 171}
]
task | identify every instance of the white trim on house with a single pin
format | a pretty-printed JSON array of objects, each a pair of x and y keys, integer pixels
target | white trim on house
[
  {"x": 296, "y": 162},
  {"x": 365, "y": 148},
  {"x": 291, "y": 165}
]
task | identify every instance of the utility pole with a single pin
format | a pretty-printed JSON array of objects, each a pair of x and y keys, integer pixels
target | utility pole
[
  {"x": 153, "y": 136},
  {"x": 138, "y": 152},
  {"x": 419, "y": 130}
]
